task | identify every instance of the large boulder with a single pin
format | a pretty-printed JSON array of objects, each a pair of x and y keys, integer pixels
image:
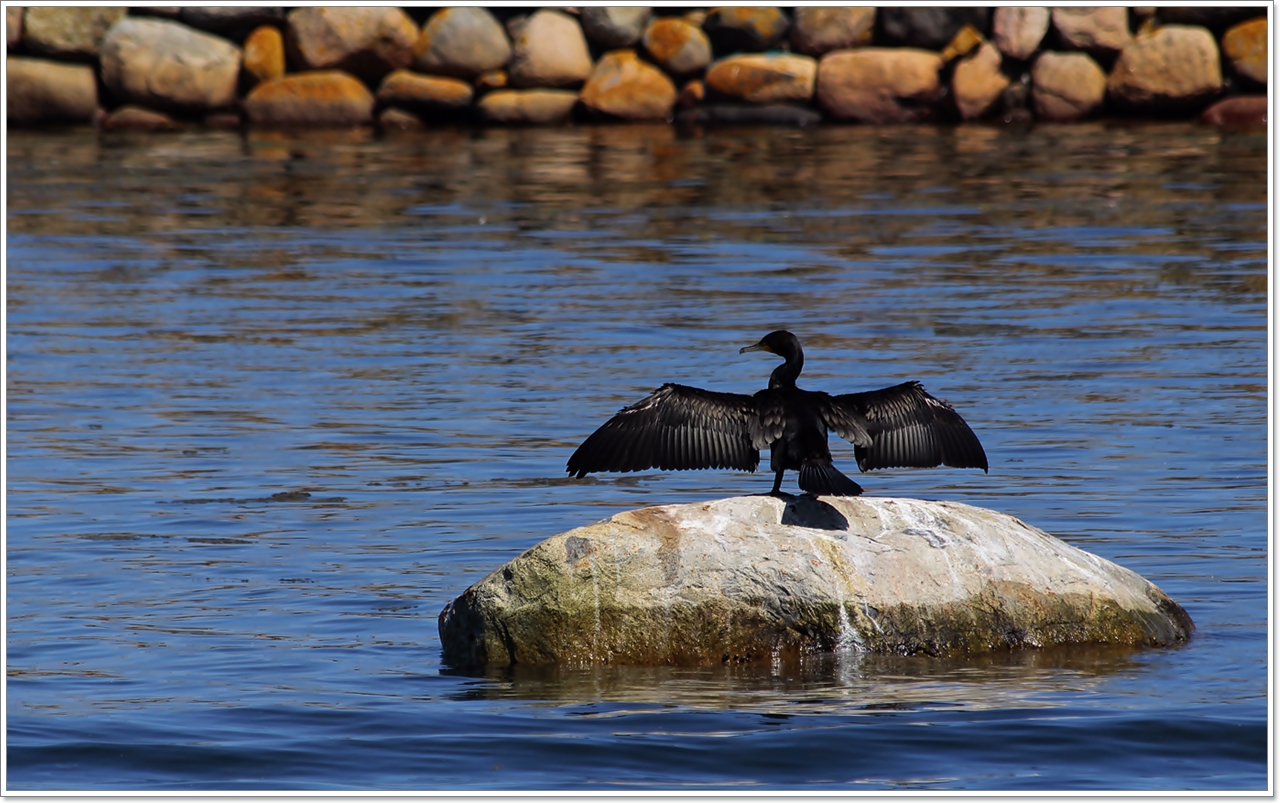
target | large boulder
[
  {"x": 764, "y": 78},
  {"x": 41, "y": 91},
  {"x": 366, "y": 41},
  {"x": 623, "y": 86},
  {"x": 1066, "y": 86},
  {"x": 325, "y": 98},
  {"x": 818, "y": 30},
  {"x": 549, "y": 51},
  {"x": 462, "y": 42},
  {"x": 754, "y": 578},
  {"x": 168, "y": 66},
  {"x": 1171, "y": 69},
  {"x": 613, "y": 27},
  {"x": 1019, "y": 30},
  {"x": 879, "y": 85},
  {"x": 677, "y": 46},
  {"x": 71, "y": 33}
]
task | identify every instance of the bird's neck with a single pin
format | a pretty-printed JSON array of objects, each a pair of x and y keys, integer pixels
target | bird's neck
[{"x": 785, "y": 375}]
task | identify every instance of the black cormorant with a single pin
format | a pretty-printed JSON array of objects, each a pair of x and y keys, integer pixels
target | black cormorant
[{"x": 679, "y": 427}]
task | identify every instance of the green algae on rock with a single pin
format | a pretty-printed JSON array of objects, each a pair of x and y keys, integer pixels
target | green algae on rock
[{"x": 754, "y": 578}]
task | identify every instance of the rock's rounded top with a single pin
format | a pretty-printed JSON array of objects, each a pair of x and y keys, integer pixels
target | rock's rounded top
[
  {"x": 748, "y": 578},
  {"x": 462, "y": 42},
  {"x": 549, "y": 51},
  {"x": 612, "y": 27},
  {"x": 1171, "y": 68},
  {"x": 366, "y": 41},
  {"x": 677, "y": 45}
]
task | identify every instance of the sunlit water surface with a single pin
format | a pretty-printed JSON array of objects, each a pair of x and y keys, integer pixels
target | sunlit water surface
[{"x": 417, "y": 331}]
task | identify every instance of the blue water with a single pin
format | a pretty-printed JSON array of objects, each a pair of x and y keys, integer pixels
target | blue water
[{"x": 417, "y": 331}]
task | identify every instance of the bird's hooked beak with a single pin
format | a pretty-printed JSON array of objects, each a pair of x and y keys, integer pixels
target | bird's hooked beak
[{"x": 757, "y": 347}]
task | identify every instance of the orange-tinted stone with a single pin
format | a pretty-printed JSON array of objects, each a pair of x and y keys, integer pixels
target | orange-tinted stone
[
  {"x": 621, "y": 85},
  {"x": 1245, "y": 46},
  {"x": 677, "y": 45},
  {"x": 1244, "y": 111},
  {"x": 760, "y": 78},
  {"x": 323, "y": 98},
  {"x": 417, "y": 92},
  {"x": 264, "y": 53}
]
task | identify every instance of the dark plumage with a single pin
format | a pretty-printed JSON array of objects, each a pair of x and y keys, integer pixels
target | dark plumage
[{"x": 679, "y": 427}]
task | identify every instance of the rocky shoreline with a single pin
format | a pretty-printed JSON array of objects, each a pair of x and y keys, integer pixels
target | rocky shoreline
[{"x": 168, "y": 67}]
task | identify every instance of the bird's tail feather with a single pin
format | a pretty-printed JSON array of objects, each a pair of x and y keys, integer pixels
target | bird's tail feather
[{"x": 824, "y": 479}]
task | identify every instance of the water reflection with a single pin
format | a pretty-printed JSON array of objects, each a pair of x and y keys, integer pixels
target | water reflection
[{"x": 842, "y": 683}]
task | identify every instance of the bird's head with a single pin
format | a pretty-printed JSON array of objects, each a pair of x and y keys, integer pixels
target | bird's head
[{"x": 781, "y": 342}]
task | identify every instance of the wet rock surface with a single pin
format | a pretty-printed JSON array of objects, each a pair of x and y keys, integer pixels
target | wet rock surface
[{"x": 752, "y": 578}]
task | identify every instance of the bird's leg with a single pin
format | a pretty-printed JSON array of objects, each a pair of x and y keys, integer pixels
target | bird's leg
[{"x": 777, "y": 484}]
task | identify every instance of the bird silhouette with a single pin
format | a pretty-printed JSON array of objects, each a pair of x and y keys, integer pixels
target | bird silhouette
[{"x": 678, "y": 427}]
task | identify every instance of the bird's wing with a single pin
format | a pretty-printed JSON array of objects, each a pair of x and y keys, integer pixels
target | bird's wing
[
  {"x": 908, "y": 427},
  {"x": 768, "y": 420},
  {"x": 675, "y": 427},
  {"x": 845, "y": 420}
]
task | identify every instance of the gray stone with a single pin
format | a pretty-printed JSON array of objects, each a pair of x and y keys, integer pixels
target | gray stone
[
  {"x": 167, "y": 66},
  {"x": 929, "y": 28},
  {"x": 549, "y": 51},
  {"x": 1173, "y": 68},
  {"x": 1019, "y": 30},
  {"x": 462, "y": 42},
  {"x": 1102, "y": 31},
  {"x": 73, "y": 33},
  {"x": 761, "y": 578},
  {"x": 821, "y": 29},
  {"x": 612, "y": 27},
  {"x": 366, "y": 41},
  {"x": 745, "y": 28},
  {"x": 1066, "y": 86},
  {"x": 677, "y": 46},
  {"x": 42, "y": 91}
]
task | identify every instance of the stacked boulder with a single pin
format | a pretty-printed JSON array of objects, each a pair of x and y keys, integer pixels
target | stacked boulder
[{"x": 163, "y": 67}]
